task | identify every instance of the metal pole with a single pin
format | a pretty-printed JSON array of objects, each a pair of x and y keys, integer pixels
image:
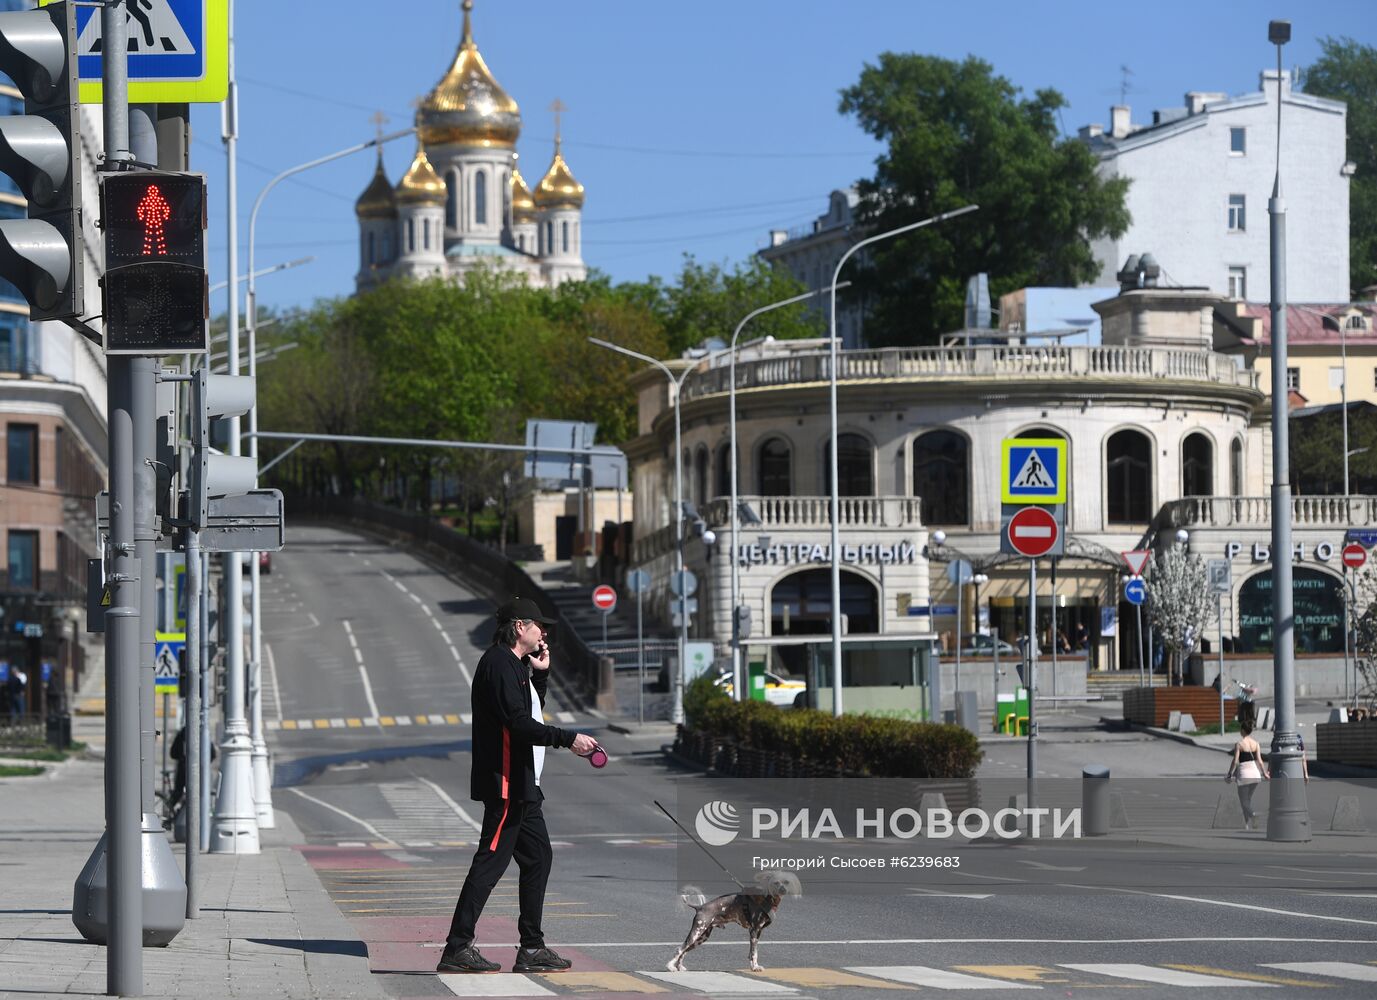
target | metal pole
[
  {"x": 191, "y": 749},
  {"x": 1219, "y": 614},
  {"x": 1288, "y": 816},
  {"x": 677, "y": 707},
  {"x": 203, "y": 678},
  {"x": 640, "y": 659},
  {"x": 1142, "y": 646},
  {"x": 1054, "y": 635},
  {"x": 234, "y": 829},
  {"x": 1343, "y": 386},
  {"x": 1032, "y": 682},
  {"x": 1346, "y": 628},
  {"x": 994, "y": 637}
]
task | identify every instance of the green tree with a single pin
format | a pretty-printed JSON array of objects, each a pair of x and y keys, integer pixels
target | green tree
[
  {"x": 958, "y": 134},
  {"x": 1347, "y": 71},
  {"x": 1180, "y": 602}
]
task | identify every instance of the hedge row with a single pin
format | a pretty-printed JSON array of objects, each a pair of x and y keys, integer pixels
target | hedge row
[{"x": 855, "y": 744}]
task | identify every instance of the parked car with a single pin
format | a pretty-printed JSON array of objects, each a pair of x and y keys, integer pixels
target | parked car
[
  {"x": 984, "y": 645},
  {"x": 779, "y": 690}
]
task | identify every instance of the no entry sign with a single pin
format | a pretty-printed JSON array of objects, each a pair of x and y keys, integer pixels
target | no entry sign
[
  {"x": 1033, "y": 532},
  {"x": 1354, "y": 555},
  {"x": 604, "y": 598}
]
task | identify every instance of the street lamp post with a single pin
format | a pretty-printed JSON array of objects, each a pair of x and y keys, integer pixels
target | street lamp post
[
  {"x": 677, "y": 384},
  {"x": 1288, "y": 816},
  {"x": 738, "y": 674},
  {"x": 262, "y": 778},
  {"x": 832, "y": 448}
]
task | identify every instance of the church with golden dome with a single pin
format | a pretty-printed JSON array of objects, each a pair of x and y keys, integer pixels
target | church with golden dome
[{"x": 463, "y": 204}]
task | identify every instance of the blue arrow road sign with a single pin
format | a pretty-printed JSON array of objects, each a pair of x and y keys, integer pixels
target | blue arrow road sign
[{"x": 1135, "y": 590}]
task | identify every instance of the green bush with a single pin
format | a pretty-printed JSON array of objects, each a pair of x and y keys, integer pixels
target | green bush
[{"x": 856, "y": 744}]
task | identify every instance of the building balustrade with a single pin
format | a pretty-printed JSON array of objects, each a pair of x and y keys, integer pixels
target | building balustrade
[
  {"x": 1002, "y": 361},
  {"x": 1256, "y": 512}
]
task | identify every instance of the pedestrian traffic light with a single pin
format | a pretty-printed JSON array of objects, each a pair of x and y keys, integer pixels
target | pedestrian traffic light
[
  {"x": 157, "y": 296},
  {"x": 214, "y": 475},
  {"x": 42, "y": 255},
  {"x": 743, "y": 621}
]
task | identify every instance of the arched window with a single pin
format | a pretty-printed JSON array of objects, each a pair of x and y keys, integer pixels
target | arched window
[
  {"x": 387, "y": 247},
  {"x": 480, "y": 198},
  {"x": 411, "y": 235},
  {"x": 1197, "y": 466},
  {"x": 452, "y": 201},
  {"x": 724, "y": 470},
  {"x": 564, "y": 227},
  {"x": 941, "y": 477},
  {"x": 700, "y": 476},
  {"x": 773, "y": 469},
  {"x": 549, "y": 237},
  {"x": 1128, "y": 462},
  {"x": 801, "y": 604},
  {"x": 371, "y": 241},
  {"x": 855, "y": 468},
  {"x": 1236, "y": 467},
  {"x": 425, "y": 234}
]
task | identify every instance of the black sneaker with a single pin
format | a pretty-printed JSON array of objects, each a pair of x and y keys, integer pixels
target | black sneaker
[
  {"x": 468, "y": 959},
  {"x": 540, "y": 960}
]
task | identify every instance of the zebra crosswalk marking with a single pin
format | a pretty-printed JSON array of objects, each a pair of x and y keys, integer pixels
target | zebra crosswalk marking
[
  {"x": 1339, "y": 970},
  {"x": 719, "y": 983},
  {"x": 496, "y": 984},
  {"x": 358, "y": 722},
  {"x": 603, "y": 982},
  {"x": 811, "y": 978},
  {"x": 1165, "y": 977},
  {"x": 1256, "y": 977},
  {"x": 1022, "y": 973},
  {"x": 939, "y": 979}
]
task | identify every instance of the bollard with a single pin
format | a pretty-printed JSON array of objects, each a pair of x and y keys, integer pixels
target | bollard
[
  {"x": 967, "y": 710},
  {"x": 1095, "y": 800},
  {"x": 607, "y": 696}
]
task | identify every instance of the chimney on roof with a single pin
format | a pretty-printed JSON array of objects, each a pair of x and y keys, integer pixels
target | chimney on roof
[
  {"x": 1139, "y": 271},
  {"x": 1196, "y": 100},
  {"x": 778, "y": 237},
  {"x": 1120, "y": 122},
  {"x": 1091, "y": 131}
]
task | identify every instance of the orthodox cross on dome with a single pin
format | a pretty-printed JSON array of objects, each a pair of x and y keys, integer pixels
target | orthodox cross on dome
[
  {"x": 468, "y": 25},
  {"x": 558, "y": 107},
  {"x": 379, "y": 120}
]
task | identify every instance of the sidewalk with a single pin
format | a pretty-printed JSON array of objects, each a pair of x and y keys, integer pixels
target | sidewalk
[{"x": 267, "y": 926}]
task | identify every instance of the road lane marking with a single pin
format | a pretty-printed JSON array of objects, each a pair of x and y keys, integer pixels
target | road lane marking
[
  {"x": 447, "y": 800},
  {"x": 603, "y": 982},
  {"x": 565, "y": 717},
  {"x": 272, "y": 679},
  {"x": 1339, "y": 970},
  {"x": 347, "y": 815},
  {"x": 1270, "y": 910},
  {"x": 718, "y": 983},
  {"x": 867, "y": 942},
  {"x": 495, "y": 984},
  {"x": 1165, "y": 977},
  {"x": 813, "y": 978},
  {"x": 939, "y": 979},
  {"x": 363, "y": 671},
  {"x": 1254, "y": 976},
  {"x": 1022, "y": 973}
]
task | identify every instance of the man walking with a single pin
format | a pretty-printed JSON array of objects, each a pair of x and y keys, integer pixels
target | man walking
[{"x": 509, "y": 741}]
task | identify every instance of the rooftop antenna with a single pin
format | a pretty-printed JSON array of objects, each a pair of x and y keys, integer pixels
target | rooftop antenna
[{"x": 1124, "y": 85}]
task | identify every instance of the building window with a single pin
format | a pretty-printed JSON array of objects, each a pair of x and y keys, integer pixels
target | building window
[
  {"x": 1238, "y": 141},
  {"x": 452, "y": 201},
  {"x": 425, "y": 233},
  {"x": 1293, "y": 379},
  {"x": 1238, "y": 209},
  {"x": 724, "y": 470},
  {"x": 1236, "y": 467},
  {"x": 1128, "y": 459},
  {"x": 21, "y": 454},
  {"x": 1356, "y": 322},
  {"x": 564, "y": 239},
  {"x": 773, "y": 470},
  {"x": 1197, "y": 466},
  {"x": 480, "y": 198},
  {"x": 855, "y": 473},
  {"x": 411, "y": 235},
  {"x": 549, "y": 237},
  {"x": 700, "y": 477},
  {"x": 23, "y": 559},
  {"x": 371, "y": 241},
  {"x": 941, "y": 477},
  {"x": 1238, "y": 283}
]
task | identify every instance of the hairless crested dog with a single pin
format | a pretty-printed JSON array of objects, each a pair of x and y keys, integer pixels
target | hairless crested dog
[{"x": 752, "y": 908}]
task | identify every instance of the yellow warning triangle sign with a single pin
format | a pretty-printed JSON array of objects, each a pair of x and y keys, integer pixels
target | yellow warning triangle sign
[{"x": 105, "y": 597}]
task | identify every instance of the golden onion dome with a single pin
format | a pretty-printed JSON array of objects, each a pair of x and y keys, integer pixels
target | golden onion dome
[
  {"x": 377, "y": 201},
  {"x": 558, "y": 188},
  {"x": 468, "y": 106},
  {"x": 421, "y": 184},
  {"x": 523, "y": 205}
]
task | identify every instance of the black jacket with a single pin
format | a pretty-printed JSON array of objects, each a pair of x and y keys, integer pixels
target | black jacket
[{"x": 504, "y": 731}]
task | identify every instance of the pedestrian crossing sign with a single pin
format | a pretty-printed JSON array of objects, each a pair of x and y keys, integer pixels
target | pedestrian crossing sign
[
  {"x": 167, "y": 660},
  {"x": 1034, "y": 471}
]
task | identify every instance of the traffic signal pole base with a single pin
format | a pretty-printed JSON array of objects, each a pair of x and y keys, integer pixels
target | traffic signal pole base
[
  {"x": 263, "y": 787},
  {"x": 1288, "y": 811},
  {"x": 164, "y": 892},
  {"x": 234, "y": 828}
]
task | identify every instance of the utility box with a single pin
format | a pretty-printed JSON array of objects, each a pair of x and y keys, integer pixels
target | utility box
[
  {"x": 1011, "y": 712},
  {"x": 755, "y": 685}
]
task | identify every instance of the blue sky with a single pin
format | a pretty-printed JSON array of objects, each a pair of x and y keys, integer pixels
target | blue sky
[{"x": 695, "y": 127}]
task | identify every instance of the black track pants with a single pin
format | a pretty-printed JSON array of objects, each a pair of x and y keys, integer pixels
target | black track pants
[{"x": 510, "y": 830}]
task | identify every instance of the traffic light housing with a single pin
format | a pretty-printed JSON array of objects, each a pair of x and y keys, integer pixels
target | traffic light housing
[
  {"x": 156, "y": 289},
  {"x": 743, "y": 621},
  {"x": 214, "y": 475},
  {"x": 42, "y": 254}
]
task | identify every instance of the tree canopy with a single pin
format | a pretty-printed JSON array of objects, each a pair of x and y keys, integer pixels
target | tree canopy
[
  {"x": 959, "y": 134},
  {"x": 1347, "y": 71}
]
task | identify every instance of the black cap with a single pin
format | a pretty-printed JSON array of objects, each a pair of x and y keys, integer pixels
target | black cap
[{"x": 522, "y": 609}]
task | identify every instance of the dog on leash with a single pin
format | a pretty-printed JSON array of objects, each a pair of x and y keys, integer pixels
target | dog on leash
[{"x": 753, "y": 908}]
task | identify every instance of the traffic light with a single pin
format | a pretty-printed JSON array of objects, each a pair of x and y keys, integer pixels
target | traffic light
[
  {"x": 42, "y": 254},
  {"x": 214, "y": 475},
  {"x": 156, "y": 290},
  {"x": 743, "y": 621}
]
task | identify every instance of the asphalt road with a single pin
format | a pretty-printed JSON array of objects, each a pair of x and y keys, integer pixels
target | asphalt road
[{"x": 370, "y": 651}]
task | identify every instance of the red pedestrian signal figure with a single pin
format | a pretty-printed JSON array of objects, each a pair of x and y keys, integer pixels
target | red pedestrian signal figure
[{"x": 153, "y": 212}]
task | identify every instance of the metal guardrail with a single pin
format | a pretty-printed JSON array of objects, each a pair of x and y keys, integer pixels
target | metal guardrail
[{"x": 626, "y": 655}]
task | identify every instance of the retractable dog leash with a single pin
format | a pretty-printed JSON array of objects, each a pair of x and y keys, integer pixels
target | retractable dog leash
[
  {"x": 740, "y": 884},
  {"x": 597, "y": 756}
]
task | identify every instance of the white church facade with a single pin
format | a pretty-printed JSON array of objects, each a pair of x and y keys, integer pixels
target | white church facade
[{"x": 463, "y": 203}]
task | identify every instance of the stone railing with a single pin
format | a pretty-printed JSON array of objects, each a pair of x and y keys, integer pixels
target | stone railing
[
  {"x": 1025, "y": 363},
  {"x": 797, "y": 513},
  {"x": 1256, "y": 512}
]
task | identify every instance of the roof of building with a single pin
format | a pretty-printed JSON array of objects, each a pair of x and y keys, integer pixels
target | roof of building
[
  {"x": 558, "y": 188},
  {"x": 421, "y": 184},
  {"x": 468, "y": 106},
  {"x": 377, "y": 200},
  {"x": 1315, "y": 323},
  {"x": 523, "y": 204}
]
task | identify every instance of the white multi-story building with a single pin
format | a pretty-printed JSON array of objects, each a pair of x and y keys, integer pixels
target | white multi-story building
[
  {"x": 463, "y": 203},
  {"x": 1201, "y": 178},
  {"x": 811, "y": 254}
]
